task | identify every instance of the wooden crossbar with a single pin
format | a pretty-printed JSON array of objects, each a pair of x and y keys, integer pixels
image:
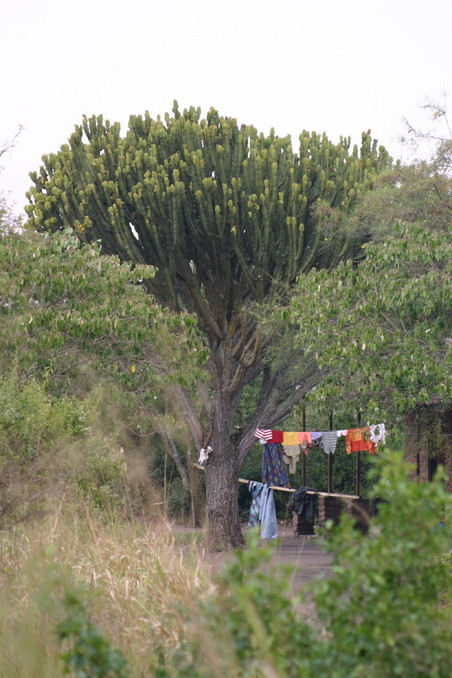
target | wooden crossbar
[{"x": 289, "y": 489}]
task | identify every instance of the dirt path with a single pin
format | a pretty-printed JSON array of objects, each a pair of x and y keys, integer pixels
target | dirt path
[
  {"x": 305, "y": 555},
  {"x": 302, "y": 553}
]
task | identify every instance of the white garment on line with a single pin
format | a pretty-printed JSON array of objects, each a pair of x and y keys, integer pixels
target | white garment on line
[{"x": 378, "y": 434}]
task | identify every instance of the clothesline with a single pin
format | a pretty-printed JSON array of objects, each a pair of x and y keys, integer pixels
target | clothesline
[
  {"x": 289, "y": 489},
  {"x": 364, "y": 438}
]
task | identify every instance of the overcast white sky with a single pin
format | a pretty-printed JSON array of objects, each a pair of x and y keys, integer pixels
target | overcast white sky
[{"x": 338, "y": 67}]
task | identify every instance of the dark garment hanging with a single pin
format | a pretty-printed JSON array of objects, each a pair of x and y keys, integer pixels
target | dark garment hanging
[
  {"x": 274, "y": 470},
  {"x": 304, "y": 504}
]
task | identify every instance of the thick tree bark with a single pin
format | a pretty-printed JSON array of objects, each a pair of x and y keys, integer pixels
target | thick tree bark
[{"x": 222, "y": 471}]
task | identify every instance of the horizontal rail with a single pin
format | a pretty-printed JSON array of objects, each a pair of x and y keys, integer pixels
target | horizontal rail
[{"x": 289, "y": 489}]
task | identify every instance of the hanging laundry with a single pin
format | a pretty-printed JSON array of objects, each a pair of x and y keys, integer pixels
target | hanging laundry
[
  {"x": 254, "y": 488},
  {"x": 378, "y": 434},
  {"x": 274, "y": 470},
  {"x": 305, "y": 440},
  {"x": 262, "y": 511},
  {"x": 329, "y": 441},
  {"x": 304, "y": 504},
  {"x": 291, "y": 454},
  {"x": 290, "y": 438},
  {"x": 358, "y": 440},
  {"x": 263, "y": 434},
  {"x": 277, "y": 437},
  {"x": 316, "y": 437}
]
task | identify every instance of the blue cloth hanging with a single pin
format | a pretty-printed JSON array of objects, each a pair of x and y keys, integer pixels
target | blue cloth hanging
[
  {"x": 263, "y": 511},
  {"x": 274, "y": 470}
]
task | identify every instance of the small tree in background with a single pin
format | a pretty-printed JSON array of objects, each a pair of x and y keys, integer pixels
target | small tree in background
[{"x": 226, "y": 215}]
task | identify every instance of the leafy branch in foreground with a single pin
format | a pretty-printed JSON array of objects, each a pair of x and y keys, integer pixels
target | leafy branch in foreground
[{"x": 89, "y": 654}]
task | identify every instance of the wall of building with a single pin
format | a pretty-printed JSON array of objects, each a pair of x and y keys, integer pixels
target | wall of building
[{"x": 419, "y": 454}]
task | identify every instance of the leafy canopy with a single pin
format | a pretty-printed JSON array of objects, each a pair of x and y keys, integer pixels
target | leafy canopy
[{"x": 219, "y": 209}]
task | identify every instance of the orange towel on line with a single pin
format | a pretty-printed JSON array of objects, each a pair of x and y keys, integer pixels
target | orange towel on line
[
  {"x": 304, "y": 437},
  {"x": 305, "y": 440},
  {"x": 358, "y": 440}
]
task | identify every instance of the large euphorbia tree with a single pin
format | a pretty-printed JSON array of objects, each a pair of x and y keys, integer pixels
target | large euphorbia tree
[{"x": 226, "y": 215}]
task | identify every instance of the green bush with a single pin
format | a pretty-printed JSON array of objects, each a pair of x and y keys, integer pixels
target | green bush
[
  {"x": 100, "y": 476},
  {"x": 31, "y": 419},
  {"x": 89, "y": 654},
  {"x": 54, "y": 447},
  {"x": 382, "y": 606}
]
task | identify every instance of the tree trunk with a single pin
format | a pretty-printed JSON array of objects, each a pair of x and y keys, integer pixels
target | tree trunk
[{"x": 222, "y": 472}]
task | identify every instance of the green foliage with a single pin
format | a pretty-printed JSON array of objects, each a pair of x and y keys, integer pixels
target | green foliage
[
  {"x": 205, "y": 192},
  {"x": 178, "y": 501},
  {"x": 70, "y": 318},
  {"x": 62, "y": 304},
  {"x": 251, "y": 618},
  {"x": 383, "y": 610},
  {"x": 380, "y": 613},
  {"x": 382, "y": 606},
  {"x": 31, "y": 418},
  {"x": 381, "y": 329},
  {"x": 53, "y": 446},
  {"x": 91, "y": 654},
  {"x": 100, "y": 477}
]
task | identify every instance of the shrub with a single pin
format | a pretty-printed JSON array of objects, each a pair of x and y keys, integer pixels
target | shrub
[
  {"x": 100, "y": 476},
  {"x": 90, "y": 654},
  {"x": 31, "y": 419}
]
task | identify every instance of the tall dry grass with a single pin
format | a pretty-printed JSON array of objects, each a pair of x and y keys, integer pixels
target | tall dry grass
[{"x": 133, "y": 577}]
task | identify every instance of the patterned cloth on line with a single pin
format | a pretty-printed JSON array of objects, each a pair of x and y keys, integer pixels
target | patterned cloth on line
[
  {"x": 358, "y": 440},
  {"x": 378, "y": 434},
  {"x": 263, "y": 433},
  {"x": 274, "y": 471}
]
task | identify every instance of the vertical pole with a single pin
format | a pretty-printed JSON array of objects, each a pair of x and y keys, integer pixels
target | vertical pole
[
  {"x": 330, "y": 461},
  {"x": 303, "y": 456},
  {"x": 165, "y": 485},
  {"x": 358, "y": 463}
]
